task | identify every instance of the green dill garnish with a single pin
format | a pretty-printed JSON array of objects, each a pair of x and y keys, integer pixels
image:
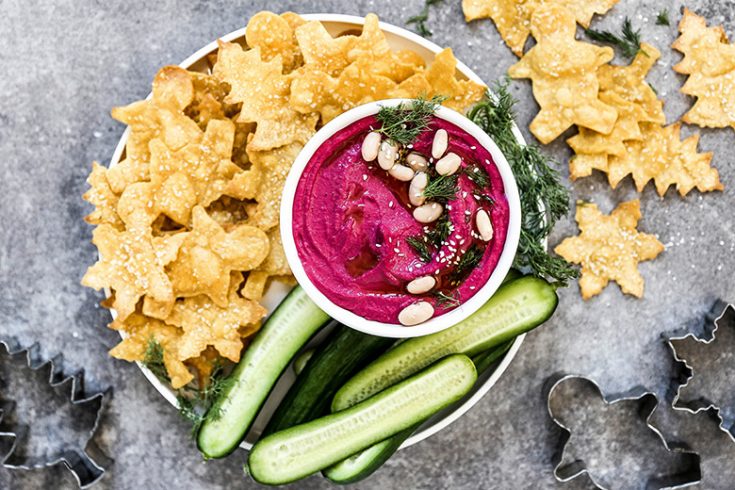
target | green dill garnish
[
  {"x": 441, "y": 188},
  {"x": 544, "y": 200},
  {"x": 153, "y": 359},
  {"x": 441, "y": 230},
  {"x": 477, "y": 175},
  {"x": 195, "y": 404},
  {"x": 420, "y": 19},
  {"x": 447, "y": 300},
  {"x": 403, "y": 124},
  {"x": 652, "y": 88},
  {"x": 629, "y": 43},
  {"x": 662, "y": 19},
  {"x": 466, "y": 263},
  {"x": 421, "y": 247}
]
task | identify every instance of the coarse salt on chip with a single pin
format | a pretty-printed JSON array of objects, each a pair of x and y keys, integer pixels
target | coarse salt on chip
[
  {"x": 513, "y": 17},
  {"x": 610, "y": 247},
  {"x": 209, "y": 253},
  {"x": 255, "y": 285},
  {"x": 264, "y": 92},
  {"x": 132, "y": 265},
  {"x": 276, "y": 263},
  {"x": 709, "y": 60},
  {"x": 140, "y": 331},
  {"x": 321, "y": 51},
  {"x": 276, "y": 164},
  {"x": 274, "y": 36},
  {"x": 161, "y": 116},
  {"x": 204, "y": 323},
  {"x": 101, "y": 196},
  {"x": 661, "y": 156},
  {"x": 208, "y": 101},
  {"x": 564, "y": 75}
]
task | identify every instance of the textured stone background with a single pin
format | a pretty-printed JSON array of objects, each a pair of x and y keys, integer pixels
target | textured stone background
[{"x": 67, "y": 62}]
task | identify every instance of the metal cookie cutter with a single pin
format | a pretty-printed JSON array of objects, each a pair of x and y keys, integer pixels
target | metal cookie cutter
[
  {"x": 604, "y": 452},
  {"x": 707, "y": 367},
  {"x": 63, "y": 418}
]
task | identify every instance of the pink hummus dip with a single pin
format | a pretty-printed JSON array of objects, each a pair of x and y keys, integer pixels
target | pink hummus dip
[{"x": 351, "y": 221}]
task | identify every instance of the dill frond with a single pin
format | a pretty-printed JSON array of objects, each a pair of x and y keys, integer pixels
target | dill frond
[
  {"x": 629, "y": 42},
  {"x": 421, "y": 247},
  {"x": 441, "y": 188},
  {"x": 421, "y": 18},
  {"x": 662, "y": 19},
  {"x": 403, "y": 124}
]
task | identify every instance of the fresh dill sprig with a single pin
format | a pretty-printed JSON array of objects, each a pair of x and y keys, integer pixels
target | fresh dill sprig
[
  {"x": 403, "y": 124},
  {"x": 153, "y": 359},
  {"x": 544, "y": 200},
  {"x": 195, "y": 404},
  {"x": 421, "y": 247},
  {"x": 421, "y": 18},
  {"x": 477, "y": 175},
  {"x": 441, "y": 188},
  {"x": 629, "y": 42},
  {"x": 466, "y": 263},
  {"x": 441, "y": 231},
  {"x": 445, "y": 300},
  {"x": 662, "y": 19}
]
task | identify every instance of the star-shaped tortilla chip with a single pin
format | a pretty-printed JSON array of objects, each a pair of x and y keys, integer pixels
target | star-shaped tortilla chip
[
  {"x": 661, "y": 156},
  {"x": 513, "y": 17},
  {"x": 264, "y": 91},
  {"x": 139, "y": 332},
  {"x": 564, "y": 75},
  {"x": 131, "y": 264},
  {"x": 161, "y": 116},
  {"x": 709, "y": 60},
  {"x": 101, "y": 196},
  {"x": 609, "y": 247},
  {"x": 209, "y": 253},
  {"x": 204, "y": 323},
  {"x": 275, "y": 36}
]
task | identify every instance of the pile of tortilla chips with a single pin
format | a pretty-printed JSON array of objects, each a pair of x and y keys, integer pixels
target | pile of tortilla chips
[{"x": 187, "y": 222}]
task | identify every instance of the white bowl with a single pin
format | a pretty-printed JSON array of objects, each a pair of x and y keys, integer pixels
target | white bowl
[
  {"x": 440, "y": 322},
  {"x": 398, "y": 38}
]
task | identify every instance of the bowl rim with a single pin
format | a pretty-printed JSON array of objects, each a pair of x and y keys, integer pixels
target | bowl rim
[
  {"x": 445, "y": 418},
  {"x": 437, "y": 323}
]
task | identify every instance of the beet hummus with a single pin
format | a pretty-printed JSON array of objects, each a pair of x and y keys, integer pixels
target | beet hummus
[{"x": 360, "y": 242}]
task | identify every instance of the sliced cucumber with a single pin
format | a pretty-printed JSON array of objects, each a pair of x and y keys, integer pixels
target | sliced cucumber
[
  {"x": 297, "y": 452},
  {"x": 363, "y": 464},
  {"x": 517, "y": 307},
  {"x": 345, "y": 352},
  {"x": 290, "y": 326}
]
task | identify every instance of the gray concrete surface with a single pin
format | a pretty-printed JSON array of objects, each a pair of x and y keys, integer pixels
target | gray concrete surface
[{"x": 65, "y": 63}]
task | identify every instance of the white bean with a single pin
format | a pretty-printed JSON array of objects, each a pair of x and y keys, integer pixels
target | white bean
[
  {"x": 440, "y": 144},
  {"x": 416, "y": 189},
  {"x": 449, "y": 164},
  {"x": 428, "y": 213},
  {"x": 387, "y": 155},
  {"x": 417, "y": 162},
  {"x": 484, "y": 225},
  {"x": 416, "y": 313},
  {"x": 401, "y": 172},
  {"x": 371, "y": 146},
  {"x": 421, "y": 285}
]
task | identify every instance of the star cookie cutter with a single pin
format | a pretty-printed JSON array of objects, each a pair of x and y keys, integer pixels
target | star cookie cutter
[
  {"x": 571, "y": 393},
  {"x": 21, "y": 369},
  {"x": 705, "y": 363}
]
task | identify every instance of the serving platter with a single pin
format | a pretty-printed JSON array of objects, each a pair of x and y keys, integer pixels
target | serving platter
[{"x": 398, "y": 38}]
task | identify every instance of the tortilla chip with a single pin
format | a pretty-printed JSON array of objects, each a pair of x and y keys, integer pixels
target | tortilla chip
[
  {"x": 209, "y": 100},
  {"x": 563, "y": 72},
  {"x": 208, "y": 254},
  {"x": 275, "y": 37},
  {"x": 255, "y": 285},
  {"x": 264, "y": 93},
  {"x": 513, "y": 17},
  {"x": 101, "y": 196},
  {"x": 609, "y": 247},
  {"x": 204, "y": 323}
]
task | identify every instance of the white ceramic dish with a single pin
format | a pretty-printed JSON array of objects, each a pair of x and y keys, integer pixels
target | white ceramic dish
[
  {"x": 437, "y": 323},
  {"x": 398, "y": 38}
]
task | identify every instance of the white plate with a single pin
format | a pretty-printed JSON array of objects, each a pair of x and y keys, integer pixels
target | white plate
[{"x": 398, "y": 38}]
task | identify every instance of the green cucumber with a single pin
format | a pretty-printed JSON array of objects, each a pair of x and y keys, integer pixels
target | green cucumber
[
  {"x": 517, "y": 307},
  {"x": 297, "y": 452},
  {"x": 290, "y": 326},
  {"x": 345, "y": 352},
  {"x": 363, "y": 464}
]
